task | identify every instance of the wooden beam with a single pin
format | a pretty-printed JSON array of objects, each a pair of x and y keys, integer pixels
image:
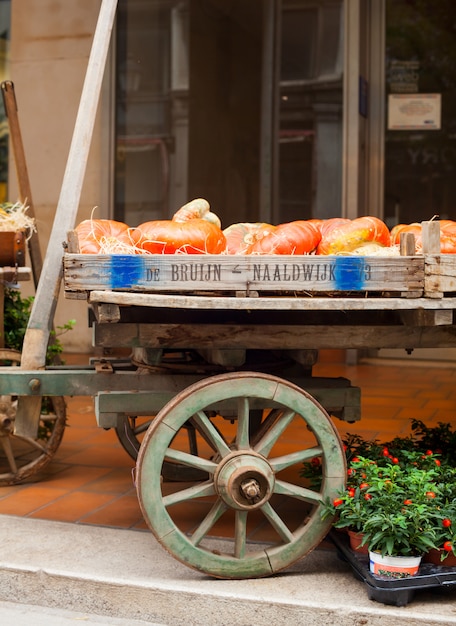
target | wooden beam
[{"x": 271, "y": 337}]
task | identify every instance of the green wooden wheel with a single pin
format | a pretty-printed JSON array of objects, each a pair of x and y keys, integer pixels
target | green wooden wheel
[
  {"x": 24, "y": 457},
  {"x": 253, "y": 479}
]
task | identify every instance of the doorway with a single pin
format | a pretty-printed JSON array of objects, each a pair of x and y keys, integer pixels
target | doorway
[
  {"x": 420, "y": 86},
  {"x": 240, "y": 102}
]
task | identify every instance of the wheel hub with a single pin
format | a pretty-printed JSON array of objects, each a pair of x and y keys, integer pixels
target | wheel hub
[{"x": 244, "y": 480}]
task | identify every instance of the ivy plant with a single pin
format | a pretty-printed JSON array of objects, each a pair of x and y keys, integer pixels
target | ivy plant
[{"x": 16, "y": 315}]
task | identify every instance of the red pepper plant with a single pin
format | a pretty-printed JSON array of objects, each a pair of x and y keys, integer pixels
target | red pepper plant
[
  {"x": 401, "y": 495},
  {"x": 445, "y": 519},
  {"x": 392, "y": 505}
]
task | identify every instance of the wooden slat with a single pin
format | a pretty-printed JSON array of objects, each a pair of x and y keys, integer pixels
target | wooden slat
[
  {"x": 423, "y": 317},
  {"x": 282, "y": 303},
  {"x": 334, "y": 394},
  {"x": 407, "y": 244},
  {"x": 440, "y": 274},
  {"x": 271, "y": 337},
  {"x": 15, "y": 274},
  {"x": 431, "y": 237},
  {"x": 161, "y": 273}
]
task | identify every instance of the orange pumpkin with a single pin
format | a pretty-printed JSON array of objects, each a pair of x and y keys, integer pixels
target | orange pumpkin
[
  {"x": 197, "y": 236},
  {"x": 103, "y": 236},
  {"x": 241, "y": 235},
  {"x": 396, "y": 231},
  {"x": 345, "y": 236},
  {"x": 324, "y": 226},
  {"x": 447, "y": 235},
  {"x": 299, "y": 237}
]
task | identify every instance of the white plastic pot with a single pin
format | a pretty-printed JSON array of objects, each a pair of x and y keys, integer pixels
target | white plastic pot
[{"x": 394, "y": 566}]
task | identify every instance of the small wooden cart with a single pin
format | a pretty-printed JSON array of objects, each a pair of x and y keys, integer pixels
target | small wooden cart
[{"x": 23, "y": 456}]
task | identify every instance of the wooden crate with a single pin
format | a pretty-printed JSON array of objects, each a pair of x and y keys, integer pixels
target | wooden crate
[
  {"x": 440, "y": 275},
  {"x": 305, "y": 275}
]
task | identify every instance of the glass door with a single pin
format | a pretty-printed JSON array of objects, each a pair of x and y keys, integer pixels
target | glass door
[
  {"x": 420, "y": 137},
  {"x": 311, "y": 111},
  {"x": 237, "y": 101}
]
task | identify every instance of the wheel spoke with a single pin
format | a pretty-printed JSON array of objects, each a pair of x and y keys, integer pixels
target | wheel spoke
[
  {"x": 184, "y": 458},
  {"x": 214, "y": 514},
  {"x": 138, "y": 430},
  {"x": 242, "y": 435},
  {"x": 281, "y": 462},
  {"x": 297, "y": 492},
  {"x": 268, "y": 440},
  {"x": 7, "y": 447},
  {"x": 197, "y": 491},
  {"x": 205, "y": 425},
  {"x": 32, "y": 442},
  {"x": 203, "y": 433},
  {"x": 240, "y": 534},
  {"x": 265, "y": 426},
  {"x": 277, "y": 523}
]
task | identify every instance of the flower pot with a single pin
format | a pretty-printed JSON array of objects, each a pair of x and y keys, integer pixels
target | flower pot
[
  {"x": 394, "y": 566},
  {"x": 433, "y": 556},
  {"x": 355, "y": 542}
]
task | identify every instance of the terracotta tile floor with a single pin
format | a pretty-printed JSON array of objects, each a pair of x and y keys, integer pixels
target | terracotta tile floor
[{"x": 90, "y": 479}]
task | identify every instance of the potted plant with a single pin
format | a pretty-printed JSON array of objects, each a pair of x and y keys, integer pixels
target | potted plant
[
  {"x": 445, "y": 521},
  {"x": 395, "y": 488},
  {"x": 393, "y": 506},
  {"x": 445, "y": 551}
]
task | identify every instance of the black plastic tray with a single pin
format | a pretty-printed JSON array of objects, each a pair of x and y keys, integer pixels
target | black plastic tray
[{"x": 397, "y": 592}]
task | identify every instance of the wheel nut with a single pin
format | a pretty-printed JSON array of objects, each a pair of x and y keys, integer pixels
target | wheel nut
[
  {"x": 250, "y": 488},
  {"x": 35, "y": 384}
]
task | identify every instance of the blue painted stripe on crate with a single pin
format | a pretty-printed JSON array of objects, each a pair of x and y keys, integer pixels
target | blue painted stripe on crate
[
  {"x": 126, "y": 270},
  {"x": 350, "y": 273}
]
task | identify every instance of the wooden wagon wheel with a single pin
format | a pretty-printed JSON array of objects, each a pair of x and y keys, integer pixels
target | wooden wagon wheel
[
  {"x": 251, "y": 478},
  {"x": 23, "y": 457}
]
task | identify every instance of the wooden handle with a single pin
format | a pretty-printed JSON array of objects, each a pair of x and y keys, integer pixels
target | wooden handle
[{"x": 42, "y": 314}]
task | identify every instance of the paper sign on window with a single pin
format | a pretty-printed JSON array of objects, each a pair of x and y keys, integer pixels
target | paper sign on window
[{"x": 420, "y": 111}]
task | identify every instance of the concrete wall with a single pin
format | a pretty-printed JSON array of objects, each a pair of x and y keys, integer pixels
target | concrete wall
[{"x": 50, "y": 46}]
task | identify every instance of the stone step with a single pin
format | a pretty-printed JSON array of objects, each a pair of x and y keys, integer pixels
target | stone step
[{"x": 126, "y": 574}]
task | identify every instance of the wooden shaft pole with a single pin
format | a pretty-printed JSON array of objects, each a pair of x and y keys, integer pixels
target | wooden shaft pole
[
  {"x": 25, "y": 191},
  {"x": 40, "y": 323}
]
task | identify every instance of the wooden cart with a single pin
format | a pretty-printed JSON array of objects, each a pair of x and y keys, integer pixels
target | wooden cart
[
  {"x": 219, "y": 376},
  {"x": 217, "y": 401}
]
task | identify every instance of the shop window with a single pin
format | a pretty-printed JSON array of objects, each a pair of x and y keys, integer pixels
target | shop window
[
  {"x": 420, "y": 140},
  {"x": 203, "y": 111},
  {"x": 311, "y": 94}
]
